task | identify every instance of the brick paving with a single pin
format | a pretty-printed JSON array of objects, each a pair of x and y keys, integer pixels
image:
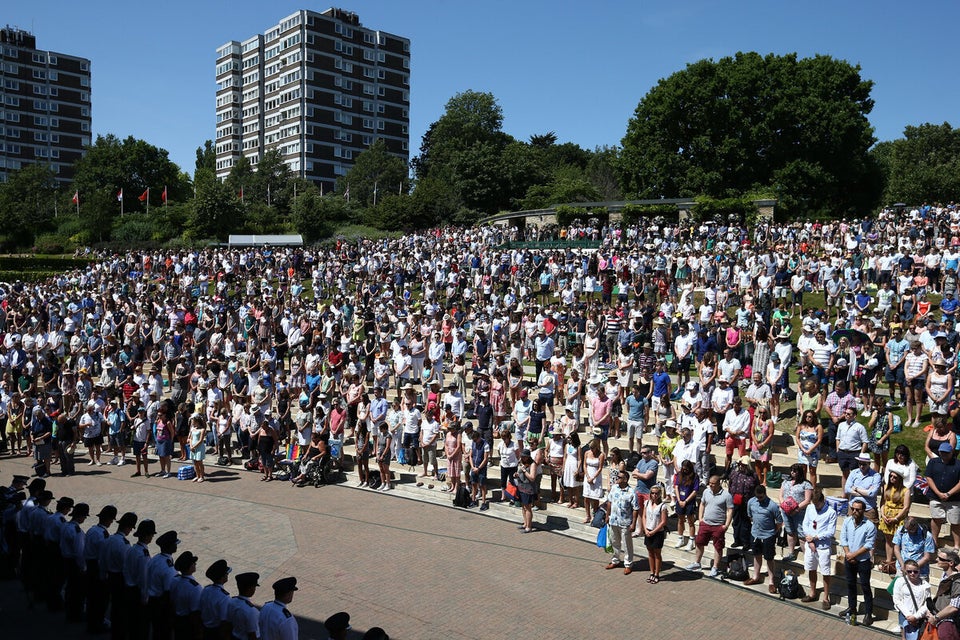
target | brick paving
[{"x": 418, "y": 570}]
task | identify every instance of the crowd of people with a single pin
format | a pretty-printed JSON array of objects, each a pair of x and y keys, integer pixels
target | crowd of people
[
  {"x": 103, "y": 581},
  {"x": 442, "y": 348}
]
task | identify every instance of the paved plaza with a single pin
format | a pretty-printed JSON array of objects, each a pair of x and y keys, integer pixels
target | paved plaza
[{"x": 421, "y": 571}]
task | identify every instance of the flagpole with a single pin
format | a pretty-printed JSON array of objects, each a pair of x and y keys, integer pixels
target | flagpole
[
  {"x": 121, "y": 203},
  {"x": 165, "y": 198},
  {"x": 148, "y": 201}
]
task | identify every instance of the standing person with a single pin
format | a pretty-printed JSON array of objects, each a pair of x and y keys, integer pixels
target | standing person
[
  {"x": 72, "y": 542},
  {"x": 185, "y": 594},
  {"x": 479, "y": 460},
  {"x": 686, "y": 485},
  {"x": 96, "y": 586},
  {"x": 857, "y": 538},
  {"x": 215, "y": 602},
  {"x": 266, "y": 438},
  {"x": 852, "y": 442},
  {"x": 947, "y": 599},
  {"x": 572, "y": 469},
  {"x": 621, "y": 519},
  {"x": 506, "y": 450},
  {"x": 91, "y": 429},
  {"x": 527, "y": 479},
  {"x": 636, "y": 416},
  {"x": 819, "y": 529},
  {"x": 742, "y": 484},
  {"x": 766, "y": 521},
  {"x": 383, "y": 442},
  {"x": 197, "y": 437},
  {"x": 135, "y": 561},
  {"x": 242, "y": 614},
  {"x": 159, "y": 575},
  {"x": 364, "y": 448},
  {"x": 112, "y": 556},
  {"x": 165, "y": 438},
  {"x": 429, "y": 433},
  {"x": 916, "y": 366},
  {"x": 276, "y": 621},
  {"x": 655, "y": 531},
  {"x": 645, "y": 473},
  {"x": 809, "y": 435},
  {"x": 141, "y": 435},
  {"x": 800, "y": 493},
  {"x": 716, "y": 513},
  {"x": 593, "y": 460},
  {"x": 601, "y": 407},
  {"x": 910, "y": 594},
  {"x": 943, "y": 485}
]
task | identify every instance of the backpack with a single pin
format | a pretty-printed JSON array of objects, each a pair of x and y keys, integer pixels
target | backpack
[
  {"x": 788, "y": 586},
  {"x": 736, "y": 568},
  {"x": 599, "y": 518},
  {"x": 462, "y": 498}
]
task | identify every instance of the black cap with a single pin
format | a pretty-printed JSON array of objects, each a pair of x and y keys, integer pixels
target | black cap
[
  {"x": 37, "y": 484},
  {"x": 217, "y": 570},
  {"x": 168, "y": 540},
  {"x": 285, "y": 585},
  {"x": 338, "y": 622},
  {"x": 45, "y": 496},
  {"x": 128, "y": 520},
  {"x": 184, "y": 561},
  {"x": 146, "y": 528},
  {"x": 247, "y": 580},
  {"x": 65, "y": 502},
  {"x": 20, "y": 479},
  {"x": 109, "y": 512},
  {"x": 375, "y": 633},
  {"x": 81, "y": 510}
]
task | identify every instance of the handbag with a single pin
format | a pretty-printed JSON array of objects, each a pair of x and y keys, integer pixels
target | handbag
[
  {"x": 602, "y": 538},
  {"x": 929, "y": 633}
]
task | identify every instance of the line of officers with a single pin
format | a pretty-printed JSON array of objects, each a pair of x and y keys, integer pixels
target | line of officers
[{"x": 86, "y": 574}]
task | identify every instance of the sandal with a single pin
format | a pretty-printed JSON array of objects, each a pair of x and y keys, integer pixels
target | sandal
[{"x": 655, "y": 580}]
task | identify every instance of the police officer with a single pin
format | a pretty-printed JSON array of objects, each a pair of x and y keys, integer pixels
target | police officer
[
  {"x": 36, "y": 486},
  {"x": 18, "y": 484},
  {"x": 159, "y": 576},
  {"x": 243, "y": 615},
  {"x": 96, "y": 587},
  {"x": 10, "y": 543},
  {"x": 215, "y": 602},
  {"x": 185, "y": 595},
  {"x": 53, "y": 568},
  {"x": 276, "y": 621},
  {"x": 72, "y": 540},
  {"x": 111, "y": 569},
  {"x": 37, "y": 519},
  {"x": 134, "y": 571}
]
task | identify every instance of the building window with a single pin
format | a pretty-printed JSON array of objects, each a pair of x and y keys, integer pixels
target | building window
[
  {"x": 39, "y": 74},
  {"x": 84, "y": 66},
  {"x": 38, "y": 58},
  {"x": 381, "y": 74},
  {"x": 84, "y": 81}
]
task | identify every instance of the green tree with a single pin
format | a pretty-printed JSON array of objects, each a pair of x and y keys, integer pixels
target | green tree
[
  {"x": 748, "y": 122},
  {"x": 377, "y": 169},
  {"x": 315, "y": 216},
  {"x": 111, "y": 164},
  {"x": 28, "y": 202},
  {"x": 923, "y": 166},
  {"x": 216, "y": 212}
]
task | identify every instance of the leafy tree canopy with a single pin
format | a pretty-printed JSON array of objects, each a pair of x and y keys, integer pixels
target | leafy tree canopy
[
  {"x": 748, "y": 122},
  {"x": 923, "y": 166}
]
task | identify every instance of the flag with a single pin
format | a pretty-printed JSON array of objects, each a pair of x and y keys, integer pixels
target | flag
[
  {"x": 163, "y": 196},
  {"x": 120, "y": 195},
  {"x": 145, "y": 195},
  {"x": 240, "y": 195},
  {"x": 76, "y": 197}
]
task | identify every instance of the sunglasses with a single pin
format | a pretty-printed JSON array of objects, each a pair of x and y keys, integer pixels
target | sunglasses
[{"x": 912, "y": 572}]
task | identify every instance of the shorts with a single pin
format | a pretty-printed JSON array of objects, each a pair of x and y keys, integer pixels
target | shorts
[
  {"x": 410, "y": 440},
  {"x": 798, "y": 297},
  {"x": 765, "y": 546},
  {"x": 93, "y": 442},
  {"x": 139, "y": 448},
  {"x": 894, "y": 375},
  {"x": 713, "y": 533},
  {"x": 165, "y": 449},
  {"x": 525, "y": 498},
  {"x": 116, "y": 440},
  {"x": 604, "y": 432},
  {"x": 819, "y": 561},
  {"x": 918, "y": 384},
  {"x": 546, "y": 399},
  {"x": 655, "y": 541},
  {"x": 41, "y": 452},
  {"x": 689, "y": 509},
  {"x": 478, "y": 477},
  {"x": 949, "y": 511},
  {"x": 633, "y": 426},
  {"x": 847, "y": 460},
  {"x": 793, "y": 524},
  {"x": 740, "y": 443},
  {"x": 683, "y": 364}
]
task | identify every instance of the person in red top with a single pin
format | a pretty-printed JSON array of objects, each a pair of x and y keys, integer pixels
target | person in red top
[{"x": 600, "y": 408}]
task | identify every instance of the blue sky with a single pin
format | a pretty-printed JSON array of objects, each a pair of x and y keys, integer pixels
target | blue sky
[{"x": 576, "y": 68}]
